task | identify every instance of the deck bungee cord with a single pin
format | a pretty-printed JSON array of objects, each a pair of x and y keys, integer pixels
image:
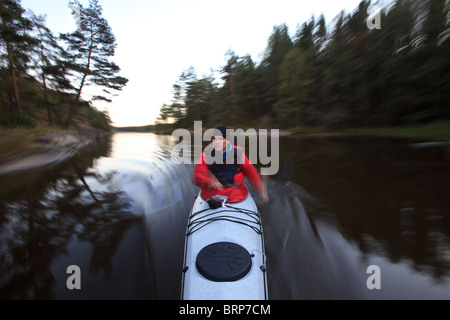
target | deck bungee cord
[{"x": 253, "y": 222}]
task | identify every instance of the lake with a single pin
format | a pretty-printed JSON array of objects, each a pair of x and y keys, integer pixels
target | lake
[{"x": 347, "y": 214}]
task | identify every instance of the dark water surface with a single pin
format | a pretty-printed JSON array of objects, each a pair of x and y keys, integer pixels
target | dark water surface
[{"x": 118, "y": 211}]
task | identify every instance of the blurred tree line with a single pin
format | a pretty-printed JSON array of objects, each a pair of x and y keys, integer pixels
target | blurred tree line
[
  {"x": 335, "y": 74},
  {"x": 43, "y": 76}
]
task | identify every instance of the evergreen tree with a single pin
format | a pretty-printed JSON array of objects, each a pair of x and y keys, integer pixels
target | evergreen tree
[
  {"x": 340, "y": 74},
  {"x": 230, "y": 76},
  {"x": 199, "y": 97},
  {"x": 356, "y": 36},
  {"x": 14, "y": 28},
  {"x": 431, "y": 60},
  {"x": 390, "y": 68},
  {"x": 248, "y": 88},
  {"x": 295, "y": 106},
  {"x": 89, "y": 48},
  {"x": 279, "y": 45},
  {"x": 50, "y": 63},
  {"x": 320, "y": 34},
  {"x": 304, "y": 38},
  {"x": 178, "y": 110},
  {"x": 319, "y": 94},
  {"x": 242, "y": 97},
  {"x": 335, "y": 61}
]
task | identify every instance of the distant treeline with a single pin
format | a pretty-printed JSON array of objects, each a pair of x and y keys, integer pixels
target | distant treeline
[
  {"x": 331, "y": 74},
  {"x": 43, "y": 76},
  {"x": 149, "y": 128}
]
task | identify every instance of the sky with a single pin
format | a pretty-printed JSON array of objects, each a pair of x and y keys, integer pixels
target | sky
[{"x": 158, "y": 39}]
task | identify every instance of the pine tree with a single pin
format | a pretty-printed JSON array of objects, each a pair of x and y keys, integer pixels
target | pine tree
[
  {"x": 431, "y": 59},
  {"x": 14, "y": 28},
  {"x": 249, "y": 97},
  {"x": 89, "y": 48},
  {"x": 50, "y": 62},
  {"x": 304, "y": 37},
  {"x": 320, "y": 34},
  {"x": 295, "y": 88},
  {"x": 230, "y": 76},
  {"x": 279, "y": 45}
]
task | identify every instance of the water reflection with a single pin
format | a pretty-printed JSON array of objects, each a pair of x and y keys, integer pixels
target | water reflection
[
  {"x": 107, "y": 210},
  {"x": 162, "y": 193},
  {"x": 119, "y": 211},
  {"x": 388, "y": 198},
  {"x": 40, "y": 217}
]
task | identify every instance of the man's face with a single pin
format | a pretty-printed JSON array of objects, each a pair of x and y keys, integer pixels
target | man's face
[{"x": 219, "y": 143}]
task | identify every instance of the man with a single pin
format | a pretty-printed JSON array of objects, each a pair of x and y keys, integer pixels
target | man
[{"x": 222, "y": 168}]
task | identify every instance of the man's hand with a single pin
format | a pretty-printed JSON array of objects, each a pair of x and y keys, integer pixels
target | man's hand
[
  {"x": 215, "y": 184},
  {"x": 264, "y": 195}
]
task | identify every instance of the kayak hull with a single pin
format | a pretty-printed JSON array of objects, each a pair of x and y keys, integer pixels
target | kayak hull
[{"x": 224, "y": 256}]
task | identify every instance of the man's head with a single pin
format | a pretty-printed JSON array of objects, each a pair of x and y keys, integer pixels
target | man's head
[{"x": 219, "y": 138}]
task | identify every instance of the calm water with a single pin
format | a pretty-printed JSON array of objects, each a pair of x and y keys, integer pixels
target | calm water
[{"x": 338, "y": 205}]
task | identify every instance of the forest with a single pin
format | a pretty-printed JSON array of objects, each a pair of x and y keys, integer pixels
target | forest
[
  {"x": 331, "y": 74},
  {"x": 43, "y": 75}
]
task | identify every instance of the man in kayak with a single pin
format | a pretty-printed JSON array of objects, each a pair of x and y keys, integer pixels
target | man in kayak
[{"x": 226, "y": 178}]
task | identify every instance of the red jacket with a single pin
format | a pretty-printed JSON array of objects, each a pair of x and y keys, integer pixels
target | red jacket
[{"x": 236, "y": 193}]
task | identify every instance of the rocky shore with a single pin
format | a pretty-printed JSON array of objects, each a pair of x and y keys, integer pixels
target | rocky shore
[{"x": 51, "y": 149}]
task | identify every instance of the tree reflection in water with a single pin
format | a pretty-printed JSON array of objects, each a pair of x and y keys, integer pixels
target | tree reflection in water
[
  {"x": 38, "y": 220},
  {"x": 340, "y": 205}
]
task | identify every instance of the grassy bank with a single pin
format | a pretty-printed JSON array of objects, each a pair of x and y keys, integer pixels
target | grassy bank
[
  {"x": 21, "y": 141},
  {"x": 17, "y": 141},
  {"x": 436, "y": 131}
]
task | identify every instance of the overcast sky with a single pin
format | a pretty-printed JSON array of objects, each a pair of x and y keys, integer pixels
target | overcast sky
[{"x": 158, "y": 39}]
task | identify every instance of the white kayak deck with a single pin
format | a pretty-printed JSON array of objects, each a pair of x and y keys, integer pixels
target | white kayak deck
[{"x": 236, "y": 223}]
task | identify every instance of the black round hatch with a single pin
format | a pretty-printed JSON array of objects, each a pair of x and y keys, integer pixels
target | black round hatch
[{"x": 223, "y": 261}]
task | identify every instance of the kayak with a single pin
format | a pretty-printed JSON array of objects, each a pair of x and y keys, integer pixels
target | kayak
[{"x": 224, "y": 257}]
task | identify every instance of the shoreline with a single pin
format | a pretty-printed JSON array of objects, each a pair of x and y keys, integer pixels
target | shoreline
[
  {"x": 52, "y": 149},
  {"x": 437, "y": 131}
]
